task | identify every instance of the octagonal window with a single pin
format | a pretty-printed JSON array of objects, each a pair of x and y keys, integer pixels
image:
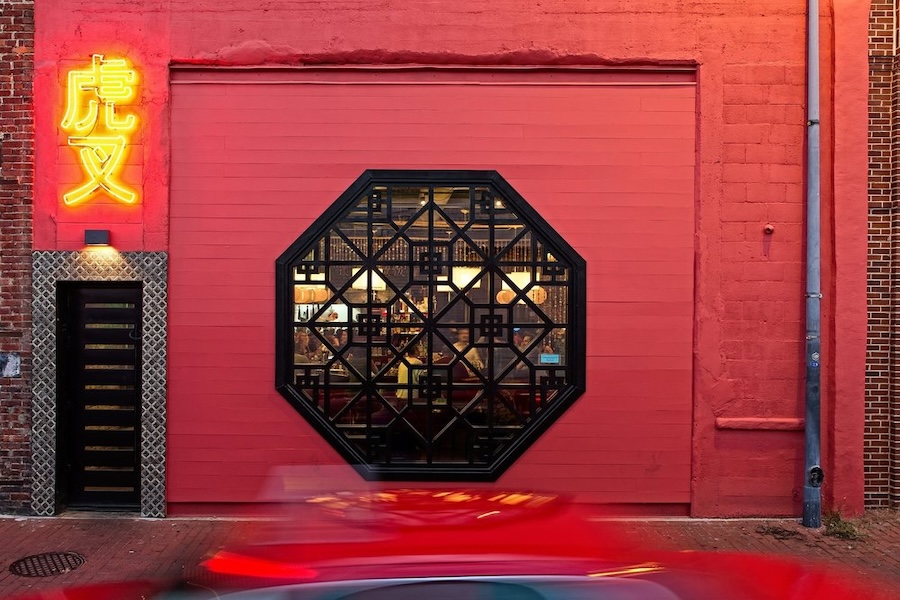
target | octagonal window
[{"x": 430, "y": 325}]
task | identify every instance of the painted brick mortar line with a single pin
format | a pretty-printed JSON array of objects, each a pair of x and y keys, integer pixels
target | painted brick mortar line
[
  {"x": 880, "y": 409},
  {"x": 16, "y": 178}
]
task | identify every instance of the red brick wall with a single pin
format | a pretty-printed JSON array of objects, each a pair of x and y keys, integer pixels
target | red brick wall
[
  {"x": 882, "y": 73},
  {"x": 16, "y": 178}
]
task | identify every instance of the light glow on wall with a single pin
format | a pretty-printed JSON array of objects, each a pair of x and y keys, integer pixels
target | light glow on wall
[{"x": 97, "y": 130}]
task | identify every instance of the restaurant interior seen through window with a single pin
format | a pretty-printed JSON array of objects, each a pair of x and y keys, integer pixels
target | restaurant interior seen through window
[{"x": 430, "y": 325}]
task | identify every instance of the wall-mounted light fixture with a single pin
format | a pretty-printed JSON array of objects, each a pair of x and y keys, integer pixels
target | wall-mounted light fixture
[{"x": 96, "y": 237}]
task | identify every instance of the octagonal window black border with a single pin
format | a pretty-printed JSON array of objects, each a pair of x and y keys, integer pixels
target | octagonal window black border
[{"x": 284, "y": 321}]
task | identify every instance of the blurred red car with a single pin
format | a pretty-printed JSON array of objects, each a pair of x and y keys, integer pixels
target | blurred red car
[{"x": 405, "y": 544}]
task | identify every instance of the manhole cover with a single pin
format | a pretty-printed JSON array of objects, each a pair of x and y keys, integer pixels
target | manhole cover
[{"x": 46, "y": 564}]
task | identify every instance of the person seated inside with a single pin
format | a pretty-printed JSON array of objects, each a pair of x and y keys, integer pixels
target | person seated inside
[
  {"x": 523, "y": 340},
  {"x": 471, "y": 355},
  {"x": 407, "y": 375},
  {"x": 331, "y": 342},
  {"x": 341, "y": 337},
  {"x": 304, "y": 350}
]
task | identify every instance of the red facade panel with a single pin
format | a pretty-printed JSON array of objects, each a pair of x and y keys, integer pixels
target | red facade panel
[
  {"x": 254, "y": 164},
  {"x": 238, "y": 200}
]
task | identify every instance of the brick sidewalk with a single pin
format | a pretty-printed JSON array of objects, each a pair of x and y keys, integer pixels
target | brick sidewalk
[
  {"x": 874, "y": 556},
  {"x": 121, "y": 547},
  {"x": 115, "y": 547}
]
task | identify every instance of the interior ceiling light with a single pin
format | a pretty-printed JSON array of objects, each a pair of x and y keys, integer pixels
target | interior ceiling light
[
  {"x": 519, "y": 278},
  {"x": 362, "y": 282}
]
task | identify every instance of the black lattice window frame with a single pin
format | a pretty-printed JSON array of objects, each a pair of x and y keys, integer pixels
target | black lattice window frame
[
  {"x": 520, "y": 210},
  {"x": 431, "y": 261}
]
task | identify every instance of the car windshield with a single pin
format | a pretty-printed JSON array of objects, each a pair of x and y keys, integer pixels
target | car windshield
[{"x": 522, "y": 588}]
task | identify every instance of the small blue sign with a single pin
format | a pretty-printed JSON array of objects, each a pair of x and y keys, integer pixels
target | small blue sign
[{"x": 549, "y": 359}]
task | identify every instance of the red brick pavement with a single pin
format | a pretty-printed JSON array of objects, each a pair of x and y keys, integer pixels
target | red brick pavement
[
  {"x": 121, "y": 547},
  {"x": 115, "y": 547}
]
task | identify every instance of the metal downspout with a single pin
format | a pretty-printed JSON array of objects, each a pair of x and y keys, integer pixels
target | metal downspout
[{"x": 812, "y": 489}]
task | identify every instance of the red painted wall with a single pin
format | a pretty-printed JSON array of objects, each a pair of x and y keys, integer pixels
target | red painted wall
[
  {"x": 747, "y": 322},
  {"x": 611, "y": 167}
]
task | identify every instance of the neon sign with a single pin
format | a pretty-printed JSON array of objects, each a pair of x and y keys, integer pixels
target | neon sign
[{"x": 96, "y": 128}]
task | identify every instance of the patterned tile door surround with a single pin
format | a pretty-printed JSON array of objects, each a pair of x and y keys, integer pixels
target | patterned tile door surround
[{"x": 49, "y": 268}]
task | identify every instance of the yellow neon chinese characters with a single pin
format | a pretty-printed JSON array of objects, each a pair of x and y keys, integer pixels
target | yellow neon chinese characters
[{"x": 96, "y": 129}]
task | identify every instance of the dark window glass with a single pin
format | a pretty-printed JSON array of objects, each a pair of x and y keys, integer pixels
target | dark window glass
[{"x": 430, "y": 324}]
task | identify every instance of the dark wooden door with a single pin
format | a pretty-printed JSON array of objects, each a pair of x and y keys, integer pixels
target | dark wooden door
[{"x": 99, "y": 395}]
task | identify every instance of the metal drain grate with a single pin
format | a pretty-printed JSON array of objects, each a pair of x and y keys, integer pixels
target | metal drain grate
[{"x": 46, "y": 564}]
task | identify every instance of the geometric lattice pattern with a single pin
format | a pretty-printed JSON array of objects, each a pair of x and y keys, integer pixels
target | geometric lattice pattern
[
  {"x": 431, "y": 325},
  {"x": 49, "y": 268}
]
